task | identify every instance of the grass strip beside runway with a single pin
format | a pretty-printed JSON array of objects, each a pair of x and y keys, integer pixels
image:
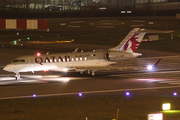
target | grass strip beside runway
[{"x": 92, "y": 107}]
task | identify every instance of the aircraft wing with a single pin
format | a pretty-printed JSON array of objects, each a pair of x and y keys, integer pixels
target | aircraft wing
[
  {"x": 148, "y": 67},
  {"x": 109, "y": 68}
]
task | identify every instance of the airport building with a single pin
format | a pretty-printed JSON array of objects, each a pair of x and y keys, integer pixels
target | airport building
[{"x": 78, "y": 4}]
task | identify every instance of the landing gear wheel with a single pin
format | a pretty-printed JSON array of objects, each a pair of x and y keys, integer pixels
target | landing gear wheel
[
  {"x": 93, "y": 73},
  {"x": 80, "y": 72},
  {"x": 17, "y": 76}
]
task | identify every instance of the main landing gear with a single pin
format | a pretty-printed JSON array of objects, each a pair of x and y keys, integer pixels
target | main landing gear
[
  {"x": 17, "y": 76},
  {"x": 92, "y": 73}
]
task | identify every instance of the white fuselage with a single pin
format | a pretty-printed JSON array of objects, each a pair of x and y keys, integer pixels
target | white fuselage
[{"x": 64, "y": 61}]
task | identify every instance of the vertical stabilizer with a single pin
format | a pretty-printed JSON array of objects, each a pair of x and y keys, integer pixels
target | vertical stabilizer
[{"x": 131, "y": 42}]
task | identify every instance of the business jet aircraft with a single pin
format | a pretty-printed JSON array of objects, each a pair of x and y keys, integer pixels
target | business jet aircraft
[{"x": 80, "y": 61}]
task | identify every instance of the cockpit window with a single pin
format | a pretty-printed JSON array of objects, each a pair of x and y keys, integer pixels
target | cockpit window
[{"x": 16, "y": 60}]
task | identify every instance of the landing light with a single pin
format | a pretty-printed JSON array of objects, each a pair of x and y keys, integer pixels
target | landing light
[
  {"x": 65, "y": 69},
  {"x": 46, "y": 70},
  {"x": 149, "y": 67}
]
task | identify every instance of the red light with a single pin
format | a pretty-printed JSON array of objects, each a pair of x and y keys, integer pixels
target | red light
[
  {"x": 46, "y": 70},
  {"x": 38, "y": 54}
]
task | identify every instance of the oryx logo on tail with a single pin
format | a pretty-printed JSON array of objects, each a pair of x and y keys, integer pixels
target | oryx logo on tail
[{"x": 132, "y": 44}]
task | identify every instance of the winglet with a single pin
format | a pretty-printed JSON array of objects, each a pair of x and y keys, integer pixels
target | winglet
[
  {"x": 75, "y": 50},
  {"x": 156, "y": 63}
]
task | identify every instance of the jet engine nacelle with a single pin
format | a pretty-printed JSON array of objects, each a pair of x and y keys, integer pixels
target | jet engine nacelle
[{"x": 117, "y": 56}]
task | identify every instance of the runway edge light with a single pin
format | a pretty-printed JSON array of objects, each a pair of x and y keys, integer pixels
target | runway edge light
[
  {"x": 166, "y": 106},
  {"x": 175, "y": 93},
  {"x": 34, "y": 95},
  {"x": 80, "y": 94},
  {"x": 127, "y": 93}
]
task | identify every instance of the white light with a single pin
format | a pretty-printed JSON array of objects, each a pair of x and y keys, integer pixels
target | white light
[
  {"x": 102, "y": 8},
  {"x": 34, "y": 95},
  {"x": 174, "y": 93},
  {"x": 123, "y": 11},
  {"x": 156, "y": 116},
  {"x": 166, "y": 106},
  {"x": 65, "y": 69},
  {"x": 80, "y": 94},
  {"x": 149, "y": 67},
  {"x": 127, "y": 93},
  {"x": 64, "y": 79}
]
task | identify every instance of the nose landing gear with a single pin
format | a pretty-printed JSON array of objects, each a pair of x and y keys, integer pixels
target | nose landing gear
[{"x": 17, "y": 76}]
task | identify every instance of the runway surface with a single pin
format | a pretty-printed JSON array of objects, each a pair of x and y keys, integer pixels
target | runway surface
[{"x": 163, "y": 82}]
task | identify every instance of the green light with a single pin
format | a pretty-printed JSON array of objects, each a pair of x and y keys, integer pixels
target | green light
[
  {"x": 21, "y": 44},
  {"x": 19, "y": 39},
  {"x": 14, "y": 42},
  {"x": 28, "y": 38}
]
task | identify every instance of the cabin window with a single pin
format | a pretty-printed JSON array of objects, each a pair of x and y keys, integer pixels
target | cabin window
[
  {"x": 22, "y": 60},
  {"x": 72, "y": 59},
  {"x": 80, "y": 58},
  {"x": 85, "y": 58},
  {"x": 16, "y": 60},
  {"x": 76, "y": 59}
]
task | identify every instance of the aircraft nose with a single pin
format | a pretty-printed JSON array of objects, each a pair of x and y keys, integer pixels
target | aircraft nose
[{"x": 9, "y": 68}]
